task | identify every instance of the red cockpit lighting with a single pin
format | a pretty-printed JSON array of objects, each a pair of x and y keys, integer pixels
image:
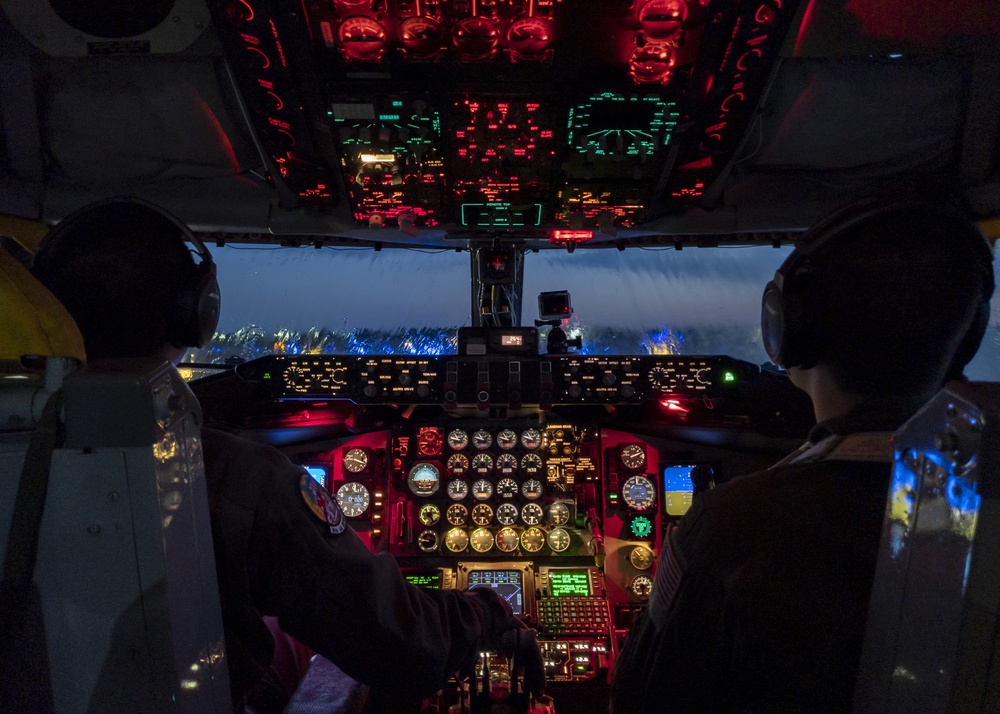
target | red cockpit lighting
[
  {"x": 563, "y": 236},
  {"x": 662, "y": 19}
]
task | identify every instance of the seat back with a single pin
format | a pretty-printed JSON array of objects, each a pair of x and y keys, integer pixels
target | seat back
[{"x": 931, "y": 643}]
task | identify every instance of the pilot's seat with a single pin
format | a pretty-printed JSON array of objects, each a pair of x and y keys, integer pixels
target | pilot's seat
[
  {"x": 125, "y": 569},
  {"x": 932, "y": 643}
]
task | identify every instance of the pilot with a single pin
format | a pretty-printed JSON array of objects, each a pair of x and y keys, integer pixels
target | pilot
[
  {"x": 761, "y": 592},
  {"x": 282, "y": 545}
]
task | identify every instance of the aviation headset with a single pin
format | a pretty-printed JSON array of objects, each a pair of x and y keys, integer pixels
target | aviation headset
[
  {"x": 785, "y": 322},
  {"x": 194, "y": 309}
]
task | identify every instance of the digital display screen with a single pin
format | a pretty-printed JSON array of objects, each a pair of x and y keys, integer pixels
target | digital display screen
[
  {"x": 569, "y": 583},
  {"x": 318, "y": 473},
  {"x": 678, "y": 489},
  {"x": 512, "y": 340},
  {"x": 507, "y": 583},
  {"x": 425, "y": 579}
]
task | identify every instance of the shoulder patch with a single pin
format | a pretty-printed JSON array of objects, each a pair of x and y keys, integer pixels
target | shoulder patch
[{"x": 322, "y": 504}]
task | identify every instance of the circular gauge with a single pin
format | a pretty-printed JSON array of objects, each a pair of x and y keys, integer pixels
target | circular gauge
[
  {"x": 429, "y": 441},
  {"x": 355, "y": 461},
  {"x": 633, "y": 456},
  {"x": 458, "y": 464},
  {"x": 421, "y": 37},
  {"x": 353, "y": 499},
  {"x": 482, "y": 514},
  {"x": 652, "y": 63},
  {"x": 458, "y": 439},
  {"x": 362, "y": 37},
  {"x": 476, "y": 37},
  {"x": 429, "y": 514},
  {"x": 507, "y": 540},
  {"x": 661, "y": 379},
  {"x": 507, "y": 439},
  {"x": 531, "y": 489},
  {"x": 528, "y": 36},
  {"x": 558, "y": 539},
  {"x": 531, "y": 439},
  {"x": 482, "y": 489},
  {"x": 532, "y": 514},
  {"x": 456, "y": 540},
  {"x": 457, "y": 489},
  {"x": 296, "y": 378},
  {"x": 427, "y": 541},
  {"x": 482, "y": 464},
  {"x": 506, "y": 488},
  {"x": 641, "y": 557},
  {"x": 482, "y": 439},
  {"x": 639, "y": 492},
  {"x": 424, "y": 479},
  {"x": 531, "y": 464},
  {"x": 641, "y": 586},
  {"x": 532, "y": 539},
  {"x": 507, "y": 514},
  {"x": 558, "y": 513},
  {"x": 457, "y": 514},
  {"x": 506, "y": 463},
  {"x": 662, "y": 19},
  {"x": 481, "y": 540}
]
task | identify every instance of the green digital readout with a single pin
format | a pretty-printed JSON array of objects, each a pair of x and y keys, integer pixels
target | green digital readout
[
  {"x": 427, "y": 581},
  {"x": 569, "y": 583}
]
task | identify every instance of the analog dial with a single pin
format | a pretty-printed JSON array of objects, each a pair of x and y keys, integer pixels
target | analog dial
[
  {"x": 639, "y": 492},
  {"x": 633, "y": 456},
  {"x": 507, "y": 439},
  {"x": 458, "y": 464},
  {"x": 532, "y": 514},
  {"x": 531, "y": 439},
  {"x": 424, "y": 479},
  {"x": 429, "y": 441},
  {"x": 427, "y": 541},
  {"x": 661, "y": 379},
  {"x": 456, "y": 540},
  {"x": 458, "y": 439},
  {"x": 531, "y": 464},
  {"x": 355, "y": 461},
  {"x": 482, "y": 464},
  {"x": 558, "y": 539},
  {"x": 558, "y": 513},
  {"x": 429, "y": 514},
  {"x": 457, "y": 514},
  {"x": 506, "y": 488},
  {"x": 482, "y": 514},
  {"x": 482, "y": 490},
  {"x": 353, "y": 499},
  {"x": 641, "y": 558},
  {"x": 531, "y": 489},
  {"x": 507, "y": 514},
  {"x": 506, "y": 463},
  {"x": 507, "y": 540},
  {"x": 482, "y": 439},
  {"x": 641, "y": 586},
  {"x": 481, "y": 540},
  {"x": 457, "y": 489},
  {"x": 532, "y": 539}
]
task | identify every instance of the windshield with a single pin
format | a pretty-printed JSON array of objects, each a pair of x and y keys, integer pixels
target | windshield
[{"x": 637, "y": 301}]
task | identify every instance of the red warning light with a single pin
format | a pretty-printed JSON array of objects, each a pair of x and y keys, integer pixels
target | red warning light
[
  {"x": 674, "y": 405},
  {"x": 562, "y": 236}
]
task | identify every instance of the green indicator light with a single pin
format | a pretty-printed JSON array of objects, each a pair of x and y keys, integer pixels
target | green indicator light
[
  {"x": 612, "y": 496},
  {"x": 267, "y": 375},
  {"x": 581, "y": 668},
  {"x": 397, "y": 103},
  {"x": 728, "y": 377},
  {"x": 641, "y": 527}
]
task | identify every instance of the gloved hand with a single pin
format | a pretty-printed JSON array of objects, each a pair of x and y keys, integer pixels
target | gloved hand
[{"x": 505, "y": 634}]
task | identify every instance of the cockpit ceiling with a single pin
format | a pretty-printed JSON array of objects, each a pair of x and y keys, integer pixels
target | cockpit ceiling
[{"x": 436, "y": 121}]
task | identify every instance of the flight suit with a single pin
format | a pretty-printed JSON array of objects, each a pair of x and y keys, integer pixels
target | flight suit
[
  {"x": 761, "y": 592},
  {"x": 283, "y": 548}
]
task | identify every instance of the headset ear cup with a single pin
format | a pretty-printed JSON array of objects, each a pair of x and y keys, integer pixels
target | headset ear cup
[
  {"x": 772, "y": 323},
  {"x": 969, "y": 345},
  {"x": 196, "y": 307}
]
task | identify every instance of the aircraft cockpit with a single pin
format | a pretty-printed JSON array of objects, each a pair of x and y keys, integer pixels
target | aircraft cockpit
[{"x": 491, "y": 269}]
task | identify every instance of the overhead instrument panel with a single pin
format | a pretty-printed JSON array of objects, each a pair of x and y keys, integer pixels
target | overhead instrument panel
[{"x": 501, "y": 160}]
